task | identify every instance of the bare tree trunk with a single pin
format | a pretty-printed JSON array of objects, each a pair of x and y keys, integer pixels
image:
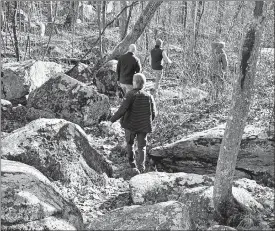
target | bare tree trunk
[
  {"x": 128, "y": 20},
  {"x": 194, "y": 16},
  {"x": 122, "y": 20},
  {"x": 98, "y": 6},
  {"x": 51, "y": 31},
  {"x": 14, "y": 31},
  {"x": 184, "y": 13},
  {"x": 243, "y": 90},
  {"x": 72, "y": 15},
  {"x": 104, "y": 5},
  {"x": 219, "y": 20},
  {"x": 50, "y": 11},
  {"x": 200, "y": 11},
  {"x": 143, "y": 20}
]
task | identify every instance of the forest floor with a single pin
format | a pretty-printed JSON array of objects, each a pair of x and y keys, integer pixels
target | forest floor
[{"x": 181, "y": 111}]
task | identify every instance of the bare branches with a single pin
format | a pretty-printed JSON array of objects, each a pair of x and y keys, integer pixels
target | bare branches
[{"x": 108, "y": 24}]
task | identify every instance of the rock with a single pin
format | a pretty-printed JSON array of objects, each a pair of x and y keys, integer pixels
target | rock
[
  {"x": 70, "y": 99},
  {"x": 263, "y": 195},
  {"x": 171, "y": 215},
  {"x": 198, "y": 153},
  {"x": 158, "y": 186},
  {"x": 16, "y": 117},
  {"x": 3, "y": 134},
  {"x": 106, "y": 78},
  {"x": 33, "y": 114},
  {"x": 59, "y": 149},
  {"x": 197, "y": 93},
  {"x": 221, "y": 228},
  {"x": 195, "y": 191},
  {"x": 5, "y": 104},
  {"x": 111, "y": 129},
  {"x": 20, "y": 78},
  {"x": 80, "y": 72},
  {"x": 245, "y": 199},
  {"x": 12, "y": 118},
  {"x": 29, "y": 201},
  {"x": 128, "y": 173}
]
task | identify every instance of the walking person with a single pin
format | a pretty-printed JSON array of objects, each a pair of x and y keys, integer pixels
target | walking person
[
  {"x": 218, "y": 69},
  {"x": 128, "y": 65},
  {"x": 137, "y": 112},
  {"x": 158, "y": 57}
]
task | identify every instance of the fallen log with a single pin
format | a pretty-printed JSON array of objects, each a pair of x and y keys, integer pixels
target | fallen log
[{"x": 198, "y": 153}]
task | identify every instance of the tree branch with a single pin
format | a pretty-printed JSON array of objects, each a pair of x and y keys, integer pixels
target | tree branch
[{"x": 108, "y": 24}]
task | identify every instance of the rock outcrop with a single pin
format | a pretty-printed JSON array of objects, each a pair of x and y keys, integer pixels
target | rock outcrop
[
  {"x": 70, "y": 99},
  {"x": 18, "y": 79},
  {"x": 194, "y": 191},
  {"x": 80, "y": 72},
  {"x": 18, "y": 116},
  {"x": 12, "y": 117},
  {"x": 59, "y": 149},
  {"x": 198, "y": 153},
  {"x": 106, "y": 78},
  {"x": 171, "y": 215},
  {"x": 29, "y": 201}
]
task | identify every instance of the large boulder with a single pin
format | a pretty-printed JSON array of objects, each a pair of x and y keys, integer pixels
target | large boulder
[
  {"x": 171, "y": 215},
  {"x": 18, "y": 116},
  {"x": 59, "y": 149},
  {"x": 198, "y": 153},
  {"x": 18, "y": 79},
  {"x": 106, "y": 78},
  {"x": 29, "y": 201},
  {"x": 80, "y": 72},
  {"x": 12, "y": 117},
  {"x": 155, "y": 187},
  {"x": 195, "y": 191},
  {"x": 70, "y": 99}
]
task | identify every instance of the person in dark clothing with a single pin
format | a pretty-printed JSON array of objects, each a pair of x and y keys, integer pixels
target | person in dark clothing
[
  {"x": 158, "y": 56},
  {"x": 137, "y": 112},
  {"x": 128, "y": 65}
]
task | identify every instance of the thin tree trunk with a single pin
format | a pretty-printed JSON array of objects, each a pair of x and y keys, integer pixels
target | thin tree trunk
[
  {"x": 219, "y": 20},
  {"x": 50, "y": 12},
  {"x": 14, "y": 31},
  {"x": 72, "y": 15},
  {"x": 143, "y": 20},
  {"x": 51, "y": 32},
  {"x": 108, "y": 24},
  {"x": 243, "y": 91},
  {"x": 98, "y": 6},
  {"x": 128, "y": 20},
  {"x": 184, "y": 14},
  {"x": 200, "y": 11},
  {"x": 122, "y": 20},
  {"x": 104, "y": 5},
  {"x": 103, "y": 23},
  {"x": 193, "y": 37},
  {"x": 3, "y": 26}
]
